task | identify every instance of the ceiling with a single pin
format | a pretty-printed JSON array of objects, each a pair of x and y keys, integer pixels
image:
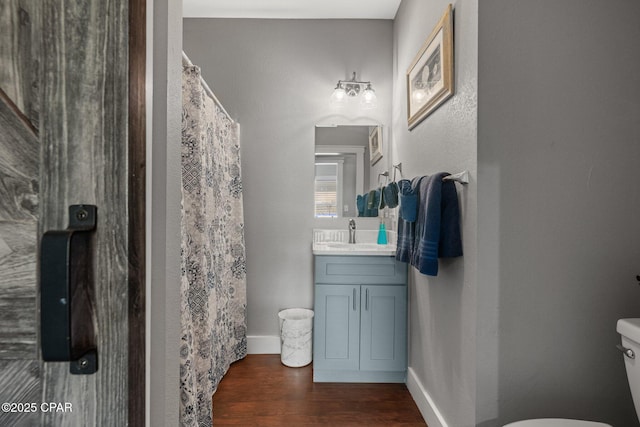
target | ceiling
[{"x": 291, "y": 9}]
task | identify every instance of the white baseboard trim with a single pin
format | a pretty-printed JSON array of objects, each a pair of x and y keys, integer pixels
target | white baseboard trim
[
  {"x": 427, "y": 407},
  {"x": 263, "y": 344}
]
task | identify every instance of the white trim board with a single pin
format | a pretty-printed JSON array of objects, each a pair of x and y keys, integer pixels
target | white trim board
[
  {"x": 263, "y": 344},
  {"x": 426, "y": 405},
  {"x": 287, "y": 9}
]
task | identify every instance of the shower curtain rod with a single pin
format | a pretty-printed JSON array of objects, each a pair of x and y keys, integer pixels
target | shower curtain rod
[{"x": 186, "y": 62}]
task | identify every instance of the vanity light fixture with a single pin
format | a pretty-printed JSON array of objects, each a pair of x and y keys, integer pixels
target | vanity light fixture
[{"x": 346, "y": 89}]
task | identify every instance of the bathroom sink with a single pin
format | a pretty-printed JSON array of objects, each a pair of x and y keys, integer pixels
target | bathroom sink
[
  {"x": 339, "y": 248},
  {"x": 354, "y": 246},
  {"x": 327, "y": 242}
]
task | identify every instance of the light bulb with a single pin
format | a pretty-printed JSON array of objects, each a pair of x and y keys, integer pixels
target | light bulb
[
  {"x": 339, "y": 96},
  {"x": 369, "y": 98}
]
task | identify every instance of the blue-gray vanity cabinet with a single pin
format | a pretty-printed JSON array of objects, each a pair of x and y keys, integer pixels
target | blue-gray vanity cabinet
[{"x": 360, "y": 322}]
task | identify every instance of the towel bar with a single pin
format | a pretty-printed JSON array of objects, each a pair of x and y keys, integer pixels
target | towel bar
[{"x": 462, "y": 177}]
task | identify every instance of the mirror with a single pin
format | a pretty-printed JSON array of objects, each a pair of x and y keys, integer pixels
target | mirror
[{"x": 342, "y": 168}]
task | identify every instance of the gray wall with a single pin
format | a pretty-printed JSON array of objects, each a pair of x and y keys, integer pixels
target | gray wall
[
  {"x": 559, "y": 223},
  {"x": 275, "y": 77},
  {"x": 164, "y": 124},
  {"x": 443, "y": 308}
]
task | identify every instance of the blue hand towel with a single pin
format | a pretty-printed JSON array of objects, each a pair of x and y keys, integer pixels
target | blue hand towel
[
  {"x": 408, "y": 200},
  {"x": 360, "y": 204},
  {"x": 372, "y": 202},
  {"x": 408, "y": 214},
  {"x": 437, "y": 232},
  {"x": 365, "y": 204},
  {"x": 390, "y": 195},
  {"x": 404, "y": 242},
  {"x": 376, "y": 203}
]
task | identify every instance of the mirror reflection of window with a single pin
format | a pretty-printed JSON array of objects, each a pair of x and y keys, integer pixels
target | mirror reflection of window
[{"x": 328, "y": 188}]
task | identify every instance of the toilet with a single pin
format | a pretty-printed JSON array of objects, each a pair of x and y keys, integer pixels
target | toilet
[{"x": 629, "y": 329}]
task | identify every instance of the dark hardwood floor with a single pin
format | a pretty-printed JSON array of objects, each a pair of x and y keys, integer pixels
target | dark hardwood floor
[{"x": 260, "y": 391}]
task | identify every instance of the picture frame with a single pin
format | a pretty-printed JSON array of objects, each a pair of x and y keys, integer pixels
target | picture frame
[
  {"x": 430, "y": 79},
  {"x": 375, "y": 144}
]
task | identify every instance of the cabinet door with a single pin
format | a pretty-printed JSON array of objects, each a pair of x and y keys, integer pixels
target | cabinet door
[
  {"x": 384, "y": 328},
  {"x": 336, "y": 327}
]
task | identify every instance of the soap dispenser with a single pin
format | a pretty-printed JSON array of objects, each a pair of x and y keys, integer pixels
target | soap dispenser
[{"x": 382, "y": 234}]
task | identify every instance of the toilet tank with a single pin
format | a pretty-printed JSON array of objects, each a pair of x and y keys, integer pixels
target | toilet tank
[{"x": 629, "y": 329}]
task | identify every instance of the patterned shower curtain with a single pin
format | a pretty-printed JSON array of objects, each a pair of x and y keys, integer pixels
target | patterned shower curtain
[{"x": 213, "y": 280}]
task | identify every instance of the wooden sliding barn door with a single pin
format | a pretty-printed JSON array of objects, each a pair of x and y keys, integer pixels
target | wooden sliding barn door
[{"x": 72, "y": 133}]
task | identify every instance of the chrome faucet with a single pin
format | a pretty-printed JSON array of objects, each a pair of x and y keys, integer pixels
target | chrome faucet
[{"x": 352, "y": 230}]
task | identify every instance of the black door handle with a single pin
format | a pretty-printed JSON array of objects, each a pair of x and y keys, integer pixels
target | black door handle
[{"x": 66, "y": 293}]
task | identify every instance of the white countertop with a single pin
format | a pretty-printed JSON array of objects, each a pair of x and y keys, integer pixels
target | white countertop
[
  {"x": 365, "y": 249},
  {"x": 333, "y": 242}
]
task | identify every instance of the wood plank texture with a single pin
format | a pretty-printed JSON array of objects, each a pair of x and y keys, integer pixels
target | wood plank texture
[
  {"x": 84, "y": 154},
  {"x": 19, "y": 148},
  {"x": 19, "y": 170},
  {"x": 260, "y": 391},
  {"x": 20, "y": 42},
  {"x": 137, "y": 199},
  {"x": 81, "y": 79},
  {"x": 18, "y": 328},
  {"x": 19, "y": 184},
  {"x": 24, "y": 376}
]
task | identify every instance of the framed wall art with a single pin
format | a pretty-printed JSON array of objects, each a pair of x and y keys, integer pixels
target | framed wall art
[
  {"x": 430, "y": 75},
  {"x": 375, "y": 144}
]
